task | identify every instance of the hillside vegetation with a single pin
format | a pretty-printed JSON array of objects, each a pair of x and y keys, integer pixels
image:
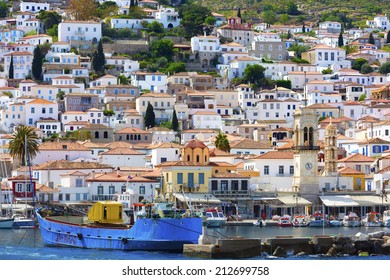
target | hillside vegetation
[{"x": 352, "y": 12}]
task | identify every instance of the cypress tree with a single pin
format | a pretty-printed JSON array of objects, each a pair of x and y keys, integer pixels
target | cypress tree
[
  {"x": 98, "y": 58},
  {"x": 371, "y": 39},
  {"x": 36, "y": 67},
  {"x": 150, "y": 118},
  {"x": 303, "y": 27},
  {"x": 388, "y": 37},
  {"x": 11, "y": 68},
  {"x": 341, "y": 40},
  {"x": 175, "y": 122},
  {"x": 239, "y": 13}
]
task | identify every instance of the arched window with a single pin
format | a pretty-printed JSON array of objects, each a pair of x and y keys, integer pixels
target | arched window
[
  {"x": 311, "y": 137},
  {"x": 105, "y": 134},
  {"x": 96, "y": 134},
  {"x": 305, "y": 136},
  {"x": 188, "y": 158},
  {"x": 197, "y": 158}
]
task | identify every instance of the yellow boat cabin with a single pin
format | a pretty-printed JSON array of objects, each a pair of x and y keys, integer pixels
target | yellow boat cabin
[{"x": 106, "y": 212}]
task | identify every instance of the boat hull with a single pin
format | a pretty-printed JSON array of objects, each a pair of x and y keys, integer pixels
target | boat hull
[
  {"x": 160, "y": 234},
  {"x": 318, "y": 224},
  {"x": 6, "y": 223},
  {"x": 22, "y": 224}
]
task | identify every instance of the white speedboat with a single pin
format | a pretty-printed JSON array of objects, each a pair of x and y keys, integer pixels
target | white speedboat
[
  {"x": 6, "y": 222},
  {"x": 351, "y": 220},
  {"x": 372, "y": 219},
  {"x": 386, "y": 218},
  {"x": 299, "y": 221},
  {"x": 214, "y": 217}
]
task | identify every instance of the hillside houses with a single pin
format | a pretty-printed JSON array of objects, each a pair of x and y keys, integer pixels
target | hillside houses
[{"x": 96, "y": 141}]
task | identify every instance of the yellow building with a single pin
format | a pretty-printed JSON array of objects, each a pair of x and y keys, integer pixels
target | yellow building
[
  {"x": 191, "y": 174},
  {"x": 358, "y": 177}
]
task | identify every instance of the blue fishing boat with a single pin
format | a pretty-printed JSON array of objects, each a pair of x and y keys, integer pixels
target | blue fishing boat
[
  {"x": 105, "y": 229},
  {"x": 318, "y": 220}
]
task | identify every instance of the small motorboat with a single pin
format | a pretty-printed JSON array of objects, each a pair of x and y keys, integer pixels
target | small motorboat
[
  {"x": 285, "y": 221},
  {"x": 318, "y": 220},
  {"x": 351, "y": 220},
  {"x": 299, "y": 221},
  {"x": 372, "y": 219},
  {"x": 214, "y": 217},
  {"x": 386, "y": 218},
  {"x": 259, "y": 223},
  {"x": 335, "y": 223}
]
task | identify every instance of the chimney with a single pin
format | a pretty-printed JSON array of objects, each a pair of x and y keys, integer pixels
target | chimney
[
  {"x": 93, "y": 174},
  {"x": 118, "y": 172}
]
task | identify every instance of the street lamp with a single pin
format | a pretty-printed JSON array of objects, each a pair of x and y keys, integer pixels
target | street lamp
[{"x": 207, "y": 197}]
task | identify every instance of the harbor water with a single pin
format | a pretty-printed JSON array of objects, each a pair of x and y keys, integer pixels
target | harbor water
[{"x": 26, "y": 244}]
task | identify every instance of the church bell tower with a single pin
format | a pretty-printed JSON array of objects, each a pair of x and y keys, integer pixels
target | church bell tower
[{"x": 305, "y": 178}]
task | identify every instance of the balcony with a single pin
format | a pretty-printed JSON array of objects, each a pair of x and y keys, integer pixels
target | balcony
[
  {"x": 231, "y": 193},
  {"x": 102, "y": 197},
  {"x": 306, "y": 148}
]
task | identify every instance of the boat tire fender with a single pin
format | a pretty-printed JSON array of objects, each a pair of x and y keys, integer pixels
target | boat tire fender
[
  {"x": 124, "y": 240},
  {"x": 80, "y": 236}
]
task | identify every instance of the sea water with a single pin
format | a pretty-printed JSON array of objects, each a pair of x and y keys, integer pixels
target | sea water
[{"x": 26, "y": 244}]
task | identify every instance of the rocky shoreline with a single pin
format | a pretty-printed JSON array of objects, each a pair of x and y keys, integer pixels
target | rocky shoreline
[{"x": 376, "y": 243}]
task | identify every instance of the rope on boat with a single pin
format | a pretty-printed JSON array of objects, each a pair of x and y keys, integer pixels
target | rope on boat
[
  {"x": 24, "y": 236},
  {"x": 193, "y": 230}
]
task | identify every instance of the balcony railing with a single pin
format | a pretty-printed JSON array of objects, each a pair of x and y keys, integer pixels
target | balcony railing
[
  {"x": 307, "y": 148},
  {"x": 102, "y": 197},
  {"x": 231, "y": 193}
]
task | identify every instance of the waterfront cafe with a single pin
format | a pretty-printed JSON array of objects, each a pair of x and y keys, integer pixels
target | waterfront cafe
[
  {"x": 198, "y": 201},
  {"x": 340, "y": 205},
  {"x": 280, "y": 204}
]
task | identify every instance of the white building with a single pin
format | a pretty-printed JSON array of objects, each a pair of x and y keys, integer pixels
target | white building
[
  {"x": 40, "y": 109},
  {"x": 34, "y": 7},
  {"x": 379, "y": 22},
  {"x": 155, "y": 82},
  {"x": 22, "y": 63},
  {"x": 121, "y": 156},
  {"x": 162, "y": 103},
  {"x": 80, "y": 31},
  {"x": 206, "y": 120}
]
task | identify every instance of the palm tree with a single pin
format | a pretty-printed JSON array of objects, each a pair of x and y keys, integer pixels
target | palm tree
[
  {"x": 24, "y": 139},
  {"x": 222, "y": 143}
]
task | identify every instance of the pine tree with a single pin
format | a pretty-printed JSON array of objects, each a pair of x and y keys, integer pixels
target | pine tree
[
  {"x": 36, "y": 67},
  {"x": 150, "y": 118},
  {"x": 11, "y": 68},
  {"x": 175, "y": 122},
  {"x": 341, "y": 40},
  {"x": 371, "y": 39}
]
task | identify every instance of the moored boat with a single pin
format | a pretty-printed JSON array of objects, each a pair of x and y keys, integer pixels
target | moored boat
[
  {"x": 214, "y": 217},
  {"x": 285, "y": 221},
  {"x": 6, "y": 223},
  {"x": 299, "y": 221},
  {"x": 104, "y": 229},
  {"x": 318, "y": 220},
  {"x": 372, "y": 219},
  {"x": 386, "y": 218},
  {"x": 335, "y": 223},
  {"x": 351, "y": 220},
  {"x": 23, "y": 222}
]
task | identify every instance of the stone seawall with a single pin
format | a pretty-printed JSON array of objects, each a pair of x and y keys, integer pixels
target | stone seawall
[{"x": 376, "y": 243}]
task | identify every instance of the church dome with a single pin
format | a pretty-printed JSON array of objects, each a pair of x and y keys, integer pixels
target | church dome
[{"x": 194, "y": 143}]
